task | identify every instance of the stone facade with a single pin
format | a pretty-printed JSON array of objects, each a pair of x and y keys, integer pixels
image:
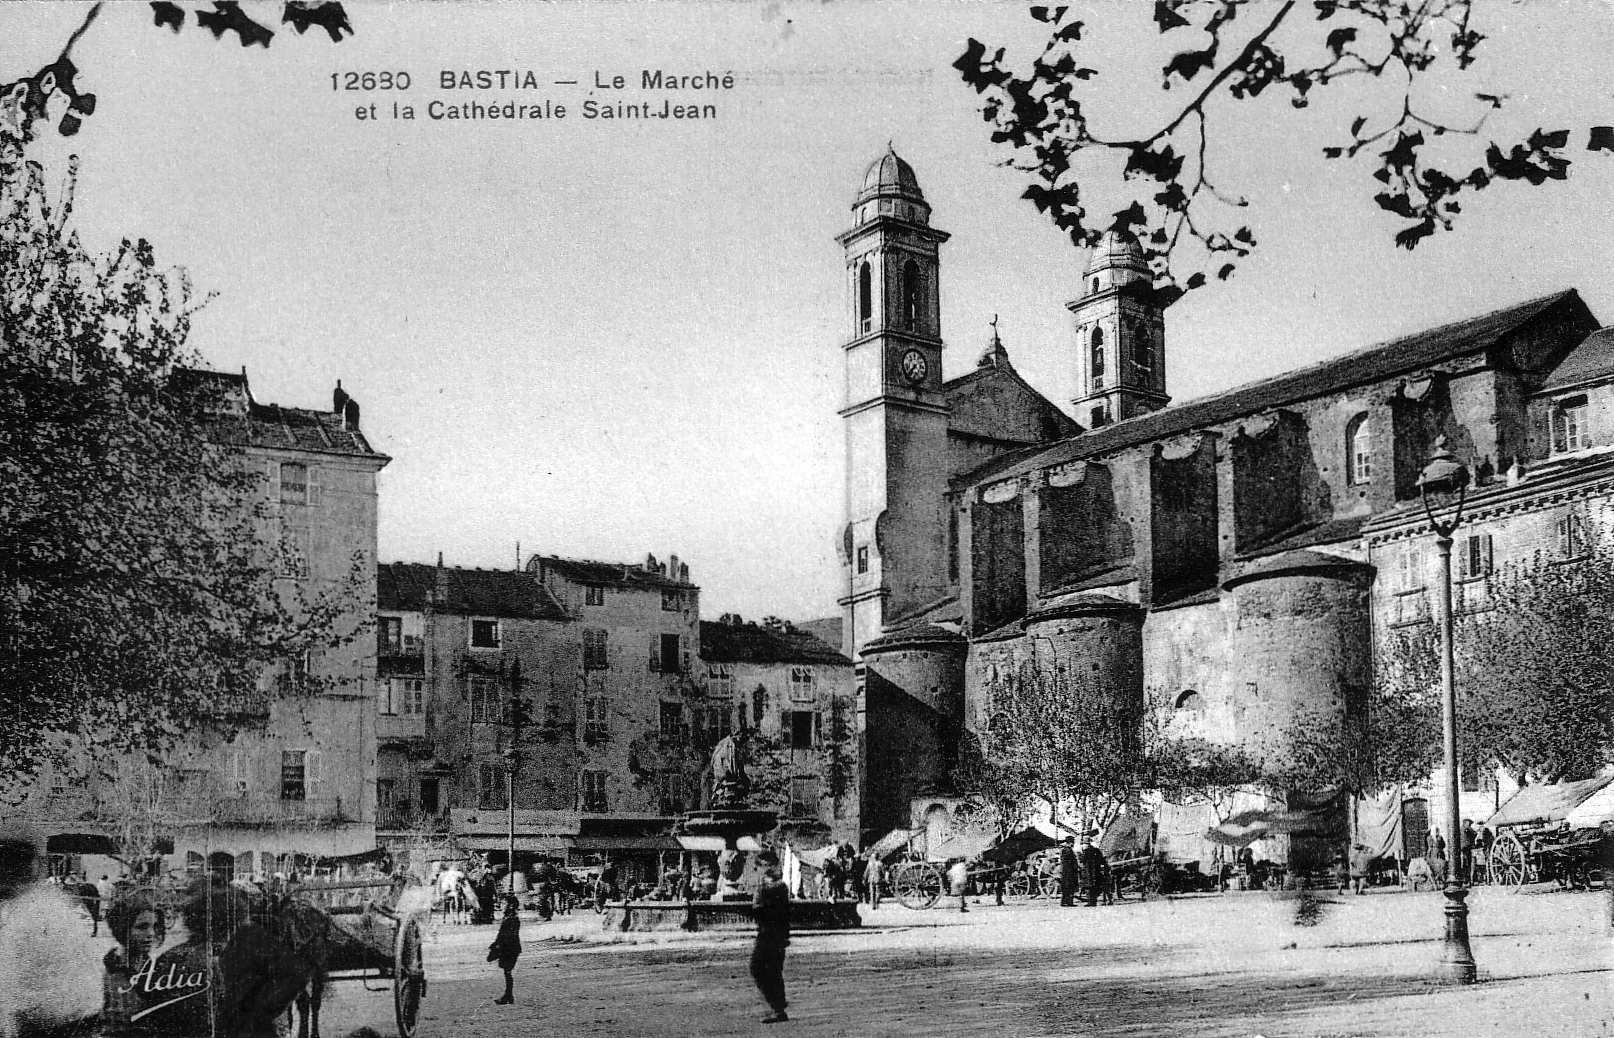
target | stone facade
[
  {"x": 796, "y": 694},
  {"x": 1247, "y": 530},
  {"x": 286, "y": 771}
]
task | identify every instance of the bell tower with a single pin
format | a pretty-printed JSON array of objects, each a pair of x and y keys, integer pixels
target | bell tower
[
  {"x": 894, "y": 545},
  {"x": 1120, "y": 335}
]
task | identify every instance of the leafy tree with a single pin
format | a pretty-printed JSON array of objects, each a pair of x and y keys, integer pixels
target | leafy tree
[
  {"x": 1072, "y": 742},
  {"x": 1062, "y": 737},
  {"x": 52, "y": 95},
  {"x": 1534, "y": 679},
  {"x": 1059, "y": 128},
  {"x": 140, "y": 578}
]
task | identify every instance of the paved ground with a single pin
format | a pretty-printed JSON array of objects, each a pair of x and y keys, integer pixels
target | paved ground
[{"x": 1230, "y": 965}]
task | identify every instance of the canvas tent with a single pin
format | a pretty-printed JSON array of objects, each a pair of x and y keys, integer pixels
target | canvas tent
[
  {"x": 1019, "y": 845},
  {"x": 1539, "y": 805}
]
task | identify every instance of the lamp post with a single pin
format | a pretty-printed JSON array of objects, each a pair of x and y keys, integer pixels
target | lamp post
[
  {"x": 512, "y": 761},
  {"x": 1443, "y": 479}
]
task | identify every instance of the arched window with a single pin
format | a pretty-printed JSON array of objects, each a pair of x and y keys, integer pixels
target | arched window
[
  {"x": 1142, "y": 346},
  {"x": 759, "y": 706},
  {"x": 1359, "y": 450},
  {"x": 910, "y": 295},
  {"x": 1098, "y": 358},
  {"x": 865, "y": 297},
  {"x": 1191, "y": 701},
  {"x": 1095, "y": 287}
]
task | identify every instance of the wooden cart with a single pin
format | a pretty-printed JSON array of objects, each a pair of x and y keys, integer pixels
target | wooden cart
[
  {"x": 374, "y": 935},
  {"x": 1562, "y": 832}
]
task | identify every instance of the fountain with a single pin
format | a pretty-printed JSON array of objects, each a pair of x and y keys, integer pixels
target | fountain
[{"x": 728, "y": 818}]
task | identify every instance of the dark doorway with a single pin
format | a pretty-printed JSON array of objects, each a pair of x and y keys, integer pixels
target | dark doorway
[{"x": 1415, "y": 828}]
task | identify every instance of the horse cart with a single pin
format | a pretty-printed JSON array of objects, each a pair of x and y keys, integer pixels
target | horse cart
[
  {"x": 372, "y": 933},
  {"x": 1562, "y": 832}
]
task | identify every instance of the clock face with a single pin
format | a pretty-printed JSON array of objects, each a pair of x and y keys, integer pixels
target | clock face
[{"x": 914, "y": 366}]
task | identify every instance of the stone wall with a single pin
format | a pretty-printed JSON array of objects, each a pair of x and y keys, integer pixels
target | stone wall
[{"x": 913, "y": 707}]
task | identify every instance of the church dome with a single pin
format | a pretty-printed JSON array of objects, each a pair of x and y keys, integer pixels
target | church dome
[
  {"x": 890, "y": 176},
  {"x": 1117, "y": 248},
  {"x": 1117, "y": 261}
]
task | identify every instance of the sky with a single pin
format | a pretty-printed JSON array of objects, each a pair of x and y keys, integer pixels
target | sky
[{"x": 605, "y": 339}]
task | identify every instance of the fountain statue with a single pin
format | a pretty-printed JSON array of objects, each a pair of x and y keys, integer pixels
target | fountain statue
[{"x": 726, "y": 815}]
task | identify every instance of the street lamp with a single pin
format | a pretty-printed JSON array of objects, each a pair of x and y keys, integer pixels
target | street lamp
[
  {"x": 1441, "y": 481},
  {"x": 512, "y": 762}
]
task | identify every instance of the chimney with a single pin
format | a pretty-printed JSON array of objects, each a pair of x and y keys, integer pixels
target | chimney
[
  {"x": 651, "y": 565},
  {"x": 339, "y": 398},
  {"x": 350, "y": 415},
  {"x": 672, "y": 566}
]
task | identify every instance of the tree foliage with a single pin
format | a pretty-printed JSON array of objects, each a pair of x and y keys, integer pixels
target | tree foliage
[
  {"x": 1046, "y": 113},
  {"x": 1534, "y": 678},
  {"x": 1059, "y": 734},
  {"x": 141, "y": 584},
  {"x": 52, "y": 94}
]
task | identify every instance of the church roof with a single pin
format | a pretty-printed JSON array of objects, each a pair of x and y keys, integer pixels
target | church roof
[
  {"x": 1591, "y": 361},
  {"x": 995, "y": 370},
  {"x": 407, "y": 587},
  {"x": 890, "y": 175},
  {"x": 1373, "y": 364}
]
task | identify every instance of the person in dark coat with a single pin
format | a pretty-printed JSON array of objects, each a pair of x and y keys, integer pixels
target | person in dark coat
[
  {"x": 506, "y": 949},
  {"x": 1067, "y": 872},
  {"x": 1094, "y": 871},
  {"x": 90, "y": 896},
  {"x": 771, "y": 906}
]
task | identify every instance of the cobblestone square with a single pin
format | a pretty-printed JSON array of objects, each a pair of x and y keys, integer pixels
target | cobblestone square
[{"x": 1234, "y": 965}]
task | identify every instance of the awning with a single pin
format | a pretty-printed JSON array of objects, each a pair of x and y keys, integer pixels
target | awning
[
  {"x": 1534, "y": 805},
  {"x": 893, "y": 841},
  {"x": 527, "y": 844},
  {"x": 1020, "y": 845},
  {"x": 715, "y": 843},
  {"x": 648, "y": 842},
  {"x": 80, "y": 843}
]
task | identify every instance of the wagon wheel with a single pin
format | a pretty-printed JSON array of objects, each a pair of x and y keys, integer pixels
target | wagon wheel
[
  {"x": 1509, "y": 866},
  {"x": 1048, "y": 881},
  {"x": 408, "y": 978},
  {"x": 917, "y": 884},
  {"x": 1021, "y": 884}
]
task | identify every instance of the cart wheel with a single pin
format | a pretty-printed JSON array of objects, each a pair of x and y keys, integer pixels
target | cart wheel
[
  {"x": 1127, "y": 885},
  {"x": 1048, "y": 884},
  {"x": 1020, "y": 885},
  {"x": 408, "y": 978},
  {"x": 917, "y": 884},
  {"x": 1509, "y": 867}
]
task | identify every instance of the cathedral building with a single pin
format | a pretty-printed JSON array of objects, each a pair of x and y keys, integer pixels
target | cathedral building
[{"x": 1232, "y": 558}]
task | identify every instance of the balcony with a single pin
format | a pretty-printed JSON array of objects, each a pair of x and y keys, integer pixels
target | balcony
[
  {"x": 405, "y": 817},
  {"x": 251, "y": 704},
  {"x": 275, "y": 813},
  {"x": 400, "y": 729}
]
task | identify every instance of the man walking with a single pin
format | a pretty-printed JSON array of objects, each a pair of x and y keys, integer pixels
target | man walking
[
  {"x": 90, "y": 896},
  {"x": 872, "y": 876},
  {"x": 958, "y": 880},
  {"x": 772, "y": 909},
  {"x": 1067, "y": 872},
  {"x": 1094, "y": 868}
]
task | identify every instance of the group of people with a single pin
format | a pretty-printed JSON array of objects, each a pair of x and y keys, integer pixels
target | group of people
[{"x": 1086, "y": 870}]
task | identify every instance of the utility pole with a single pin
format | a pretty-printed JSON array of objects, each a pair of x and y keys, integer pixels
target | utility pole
[{"x": 512, "y": 760}]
